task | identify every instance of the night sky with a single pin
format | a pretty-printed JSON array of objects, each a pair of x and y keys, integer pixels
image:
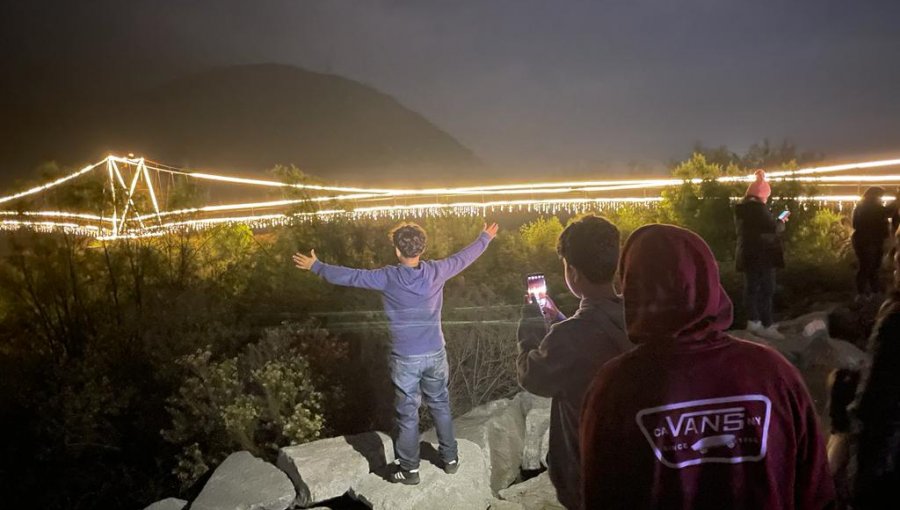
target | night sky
[{"x": 523, "y": 83}]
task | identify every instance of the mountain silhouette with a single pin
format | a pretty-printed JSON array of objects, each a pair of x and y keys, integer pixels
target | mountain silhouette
[{"x": 245, "y": 119}]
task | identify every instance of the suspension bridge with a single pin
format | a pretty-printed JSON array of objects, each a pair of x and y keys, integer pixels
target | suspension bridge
[{"x": 132, "y": 197}]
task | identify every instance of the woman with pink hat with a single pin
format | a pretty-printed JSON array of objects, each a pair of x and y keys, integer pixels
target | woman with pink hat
[{"x": 759, "y": 254}]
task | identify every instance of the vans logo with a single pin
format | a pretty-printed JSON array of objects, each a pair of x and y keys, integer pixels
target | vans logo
[{"x": 724, "y": 430}]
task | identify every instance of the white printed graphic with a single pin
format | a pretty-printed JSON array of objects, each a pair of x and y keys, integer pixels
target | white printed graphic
[{"x": 724, "y": 430}]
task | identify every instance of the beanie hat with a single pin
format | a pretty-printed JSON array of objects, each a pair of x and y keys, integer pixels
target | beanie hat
[{"x": 760, "y": 188}]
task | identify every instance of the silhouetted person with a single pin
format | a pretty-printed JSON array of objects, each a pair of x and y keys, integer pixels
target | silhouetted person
[
  {"x": 871, "y": 228},
  {"x": 692, "y": 418},
  {"x": 560, "y": 361},
  {"x": 877, "y": 411},
  {"x": 759, "y": 253},
  {"x": 413, "y": 296}
]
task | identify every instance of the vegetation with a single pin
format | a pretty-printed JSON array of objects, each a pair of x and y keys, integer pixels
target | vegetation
[{"x": 129, "y": 369}]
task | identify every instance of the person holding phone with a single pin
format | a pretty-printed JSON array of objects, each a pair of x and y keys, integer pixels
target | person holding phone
[
  {"x": 413, "y": 296},
  {"x": 559, "y": 356},
  {"x": 759, "y": 253}
]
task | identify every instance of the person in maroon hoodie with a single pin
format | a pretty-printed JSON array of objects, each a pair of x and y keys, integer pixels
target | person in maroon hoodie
[{"x": 692, "y": 417}]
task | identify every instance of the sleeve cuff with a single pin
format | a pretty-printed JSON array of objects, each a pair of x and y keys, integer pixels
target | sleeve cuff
[{"x": 316, "y": 267}]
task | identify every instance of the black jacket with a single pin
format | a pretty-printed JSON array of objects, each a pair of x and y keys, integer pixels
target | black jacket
[
  {"x": 561, "y": 363},
  {"x": 758, "y": 242},
  {"x": 877, "y": 414},
  {"x": 871, "y": 222}
]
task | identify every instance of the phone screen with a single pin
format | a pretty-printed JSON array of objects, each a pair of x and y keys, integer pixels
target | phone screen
[
  {"x": 537, "y": 288},
  {"x": 784, "y": 214}
]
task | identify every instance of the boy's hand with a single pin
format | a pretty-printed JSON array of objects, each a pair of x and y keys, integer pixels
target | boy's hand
[
  {"x": 491, "y": 230},
  {"x": 550, "y": 311},
  {"x": 305, "y": 262}
]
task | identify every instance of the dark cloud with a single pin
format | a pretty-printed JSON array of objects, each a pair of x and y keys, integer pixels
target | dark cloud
[{"x": 524, "y": 83}]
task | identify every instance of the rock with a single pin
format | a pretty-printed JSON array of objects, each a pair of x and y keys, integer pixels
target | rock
[
  {"x": 545, "y": 448},
  {"x": 528, "y": 401},
  {"x": 821, "y": 357},
  {"x": 467, "y": 488},
  {"x": 537, "y": 425},
  {"x": 498, "y": 428},
  {"x": 534, "y": 494},
  {"x": 245, "y": 482},
  {"x": 811, "y": 325},
  {"x": 499, "y": 504},
  {"x": 168, "y": 504},
  {"x": 326, "y": 469}
]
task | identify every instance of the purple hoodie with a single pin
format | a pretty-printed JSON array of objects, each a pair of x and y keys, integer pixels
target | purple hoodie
[{"x": 412, "y": 296}]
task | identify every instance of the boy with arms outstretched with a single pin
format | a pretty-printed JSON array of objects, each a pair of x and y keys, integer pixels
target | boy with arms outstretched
[{"x": 413, "y": 295}]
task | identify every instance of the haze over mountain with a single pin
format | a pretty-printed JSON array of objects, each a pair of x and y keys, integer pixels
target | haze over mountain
[{"x": 246, "y": 119}]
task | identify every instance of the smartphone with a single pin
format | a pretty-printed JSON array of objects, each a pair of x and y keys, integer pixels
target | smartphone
[
  {"x": 537, "y": 288},
  {"x": 784, "y": 214}
]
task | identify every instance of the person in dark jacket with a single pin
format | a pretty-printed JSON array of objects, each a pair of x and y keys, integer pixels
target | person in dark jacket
[
  {"x": 560, "y": 362},
  {"x": 693, "y": 418},
  {"x": 871, "y": 228},
  {"x": 876, "y": 410},
  {"x": 893, "y": 209},
  {"x": 759, "y": 253}
]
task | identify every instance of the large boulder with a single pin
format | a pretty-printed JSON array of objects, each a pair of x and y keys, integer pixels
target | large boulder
[
  {"x": 499, "y": 504},
  {"x": 326, "y": 469},
  {"x": 468, "y": 488},
  {"x": 528, "y": 401},
  {"x": 168, "y": 504},
  {"x": 808, "y": 345},
  {"x": 498, "y": 428},
  {"x": 545, "y": 448},
  {"x": 537, "y": 493},
  {"x": 245, "y": 482},
  {"x": 537, "y": 426}
]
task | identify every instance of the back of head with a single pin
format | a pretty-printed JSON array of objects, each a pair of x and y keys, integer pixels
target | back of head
[
  {"x": 409, "y": 239},
  {"x": 873, "y": 194},
  {"x": 591, "y": 245},
  {"x": 671, "y": 288}
]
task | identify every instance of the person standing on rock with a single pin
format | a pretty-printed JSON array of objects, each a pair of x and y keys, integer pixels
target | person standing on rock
[
  {"x": 876, "y": 411},
  {"x": 759, "y": 253},
  {"x": 558, "y": 357},
  {"x": 692, "y": 417},
  {"x": 871, "y": 228},
  {"x": 413, "y": 296}
]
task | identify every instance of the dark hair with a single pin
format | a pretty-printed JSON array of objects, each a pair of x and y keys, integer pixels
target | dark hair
[
  {"x": 873, "y": 193},
  {"x": 842, "y": 384},
  {"x": 591, "y": 245},
  {"x": 409, "y": 238}
]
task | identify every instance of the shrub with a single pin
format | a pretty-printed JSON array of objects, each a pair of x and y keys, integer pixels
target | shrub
[{"x": 258, "y": 401}]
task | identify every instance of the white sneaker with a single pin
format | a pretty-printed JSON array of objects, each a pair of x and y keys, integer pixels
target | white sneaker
[
  {"x": 754, "y": 326},
  {"x": 771, "y": 333}
]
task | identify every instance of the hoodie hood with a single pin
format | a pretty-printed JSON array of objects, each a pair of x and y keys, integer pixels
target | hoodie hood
[{"x": 671, "y": 288}]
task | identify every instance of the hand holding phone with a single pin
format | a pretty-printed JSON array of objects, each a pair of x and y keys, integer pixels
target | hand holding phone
[{"x": 785, "y": 214}]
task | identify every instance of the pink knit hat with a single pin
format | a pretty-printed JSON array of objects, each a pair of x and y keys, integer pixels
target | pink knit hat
[{"x": 760, "y": 188}]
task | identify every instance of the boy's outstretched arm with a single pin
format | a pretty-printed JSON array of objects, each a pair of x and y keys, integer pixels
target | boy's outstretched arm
[
  {"x": 451, "y": 266},
  {"x": 375, "y": 279}
]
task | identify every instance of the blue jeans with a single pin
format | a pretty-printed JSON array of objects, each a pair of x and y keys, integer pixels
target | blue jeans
[
  {"x": 412, "y": 377},
  {"x": 759, "y": 290}
]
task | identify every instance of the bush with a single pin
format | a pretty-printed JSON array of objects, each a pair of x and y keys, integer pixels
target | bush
[{"x": 261, "y": 400}]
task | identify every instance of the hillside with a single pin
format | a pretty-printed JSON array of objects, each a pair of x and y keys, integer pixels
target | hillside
[{"x": 245, "y": 118}]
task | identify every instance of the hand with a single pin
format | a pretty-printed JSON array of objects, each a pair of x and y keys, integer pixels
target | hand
[
  {"x": 550, "y": 310},
  {"x": 491, "y": 230},
  {"x": 305, "y": 262}
]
